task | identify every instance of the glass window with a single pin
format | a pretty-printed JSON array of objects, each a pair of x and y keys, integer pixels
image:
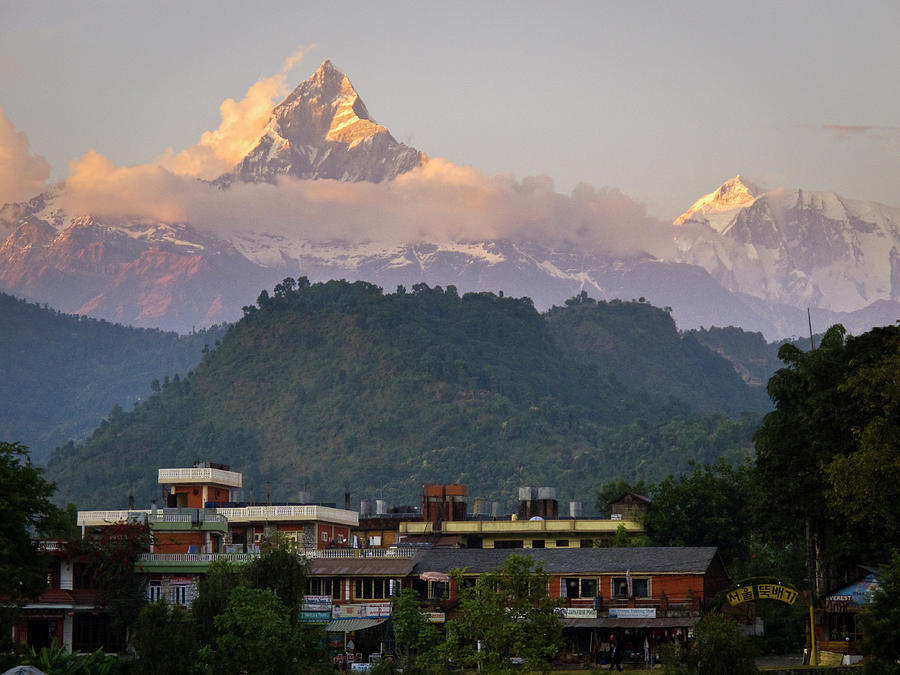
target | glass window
[
  {"x": 588, "y": 588},
  {"x": 561, "y": 543},
  {"x": 537, "y": 543},
  {"x": 640, "y": 588},
  {"x": 154, "y": 591}
]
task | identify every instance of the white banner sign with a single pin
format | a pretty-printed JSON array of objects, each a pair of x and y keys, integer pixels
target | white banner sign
[
  {"x": 579, "y": 613},
  {"x": 632, "y": 612}
]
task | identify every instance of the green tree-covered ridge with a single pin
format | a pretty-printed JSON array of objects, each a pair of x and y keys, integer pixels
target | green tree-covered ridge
[
  {"x": 60, "y": 374},
  {"x": 330, "y": 383}
]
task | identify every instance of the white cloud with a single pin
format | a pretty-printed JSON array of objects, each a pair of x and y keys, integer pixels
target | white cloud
[
  {"x": 22, "y": 175},
  {"x": 242, "y": 124}
]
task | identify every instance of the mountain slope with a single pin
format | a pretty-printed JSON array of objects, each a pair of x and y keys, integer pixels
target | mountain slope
[
  {"x": 60, "y": 374},
  {"x": 323, "y": 130},
  {"x": 337, "y": 382},
  {"x": 639, "y": 345},
  {"x": 795, "y": 247}
]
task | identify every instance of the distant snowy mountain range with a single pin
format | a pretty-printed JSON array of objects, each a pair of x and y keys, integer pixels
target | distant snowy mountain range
[{"x": 745, "y": 257}]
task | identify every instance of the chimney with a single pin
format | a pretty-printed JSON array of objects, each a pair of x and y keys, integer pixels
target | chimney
[{"x": 131, "y": 502}]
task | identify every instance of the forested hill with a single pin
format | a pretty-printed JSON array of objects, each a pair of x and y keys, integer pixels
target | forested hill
[
  {"x": 640, "y": 345},
  {"x": 337, "y": 383},
  {"x": 60, "y": 374}
]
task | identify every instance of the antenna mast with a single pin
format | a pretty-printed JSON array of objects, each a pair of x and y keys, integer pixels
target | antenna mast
[{"x": 812, "y": 342}]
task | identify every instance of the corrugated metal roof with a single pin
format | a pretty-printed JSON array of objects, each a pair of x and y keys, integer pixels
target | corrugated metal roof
[
  {"x": 348, "y": 625},
  {"x": 643, "y": 560}
]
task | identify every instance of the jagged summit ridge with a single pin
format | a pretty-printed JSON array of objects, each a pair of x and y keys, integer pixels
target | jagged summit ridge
[
  {"x": 795, "y": 247},
  {"x": 324, "y": 130},
  {"x": 718, "y": 208}
]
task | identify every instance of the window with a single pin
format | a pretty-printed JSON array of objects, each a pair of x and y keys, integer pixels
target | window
[
  {"x": 324, "y": 536},
  {"x": 511, "y": 543},
  {"x": 327, "y": 586},
  {"x": 178, "y": 595},
  {"x": 438, "y": 589},
  {"x": 640, "y": 587},
  {"x": 373, "y": 589},
  {"x": 575, "y": 587},
  {"x": 587, "y": 543},
  {"x": 537, "y": 543},
  {"x": 154, "y": 591},
  {"x": 562, "y": 543}
]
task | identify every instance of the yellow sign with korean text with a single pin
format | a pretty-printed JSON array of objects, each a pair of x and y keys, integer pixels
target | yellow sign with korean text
[{"x": 762, "y": 592}]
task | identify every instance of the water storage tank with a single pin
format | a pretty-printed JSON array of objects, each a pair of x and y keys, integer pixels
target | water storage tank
[
  {"x": 575, "y": 509},
  {"x": 365, "y": 507},
  {"x": 495, "y": 509},
  {"x": 380, "y": 507}
]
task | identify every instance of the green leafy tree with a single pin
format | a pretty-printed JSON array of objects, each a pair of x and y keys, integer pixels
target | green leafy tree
[
  {"x": 416, "y": 637},
  {"x": 506, "y": 614},
  {"x": 220, "y": 580},
  {"x": 712, "y": 506},
  {"x": 111, "y": 557},
  {"x": 831, "y": 443},
  {"x": 25, "y": 508},
  {"x": 164, "y": 641},
  {"x": 255, "y": 635},
  {"x": 720, "y": 649},
  {"x": 880, "y": 623},
  {"x": 280, "y": 570}
]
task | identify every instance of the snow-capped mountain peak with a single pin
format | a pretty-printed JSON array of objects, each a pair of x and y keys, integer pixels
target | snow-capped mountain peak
[
  {"x": 324, "y": 130},
  {"x": 719, "y": 207}
]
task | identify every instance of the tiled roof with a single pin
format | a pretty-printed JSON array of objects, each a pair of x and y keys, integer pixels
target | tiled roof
[{"x": 689, "y": 560}]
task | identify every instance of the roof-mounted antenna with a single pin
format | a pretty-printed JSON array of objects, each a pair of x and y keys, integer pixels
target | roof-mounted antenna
[{"x": 812, "y": 342}]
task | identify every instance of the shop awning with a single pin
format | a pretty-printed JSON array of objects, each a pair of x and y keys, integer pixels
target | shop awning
[
  {"x": 348, "y": 625},
  {"x": 434, "y": 576},
  {"x": 606, "y": 622}
]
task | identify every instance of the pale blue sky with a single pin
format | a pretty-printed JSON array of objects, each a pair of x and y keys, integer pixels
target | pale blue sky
[{"x": 664, "y": 100}]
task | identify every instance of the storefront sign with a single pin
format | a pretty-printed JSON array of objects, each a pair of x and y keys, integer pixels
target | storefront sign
[
  {"x": 578, "y": 613},
  {"x": 632, "y": 612},
  {"x": 314, "y": 617},
  {"x": 435, "y": 617},
  {"x": 372, "y": 610},
  {"x": 316, "y": 603},
  {"x": 762, "y": 592}
]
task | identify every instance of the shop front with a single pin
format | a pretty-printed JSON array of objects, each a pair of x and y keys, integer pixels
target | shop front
[{"x": 637, "y": 632}]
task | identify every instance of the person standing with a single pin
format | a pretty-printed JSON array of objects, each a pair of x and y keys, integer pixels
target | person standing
[{"x": 615, "y": 658}]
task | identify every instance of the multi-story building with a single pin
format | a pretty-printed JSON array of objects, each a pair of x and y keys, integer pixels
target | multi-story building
[
  {"x": 536, "y": 523},
  {"x": 640, "y": 594}
]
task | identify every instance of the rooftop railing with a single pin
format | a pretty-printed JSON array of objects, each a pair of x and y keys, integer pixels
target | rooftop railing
[{"x": 200, "y": 475}]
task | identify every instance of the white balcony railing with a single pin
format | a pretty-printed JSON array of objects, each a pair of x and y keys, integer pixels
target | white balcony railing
[
  {"x": 200, "y": 475},
  {"x": 359, "y": 553},
  {"x": 311, "y": 553},
  {"x": 250, "y": 514},
  {"x": 196, "y": 557},
  {"x": 95, "y": 518}
]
